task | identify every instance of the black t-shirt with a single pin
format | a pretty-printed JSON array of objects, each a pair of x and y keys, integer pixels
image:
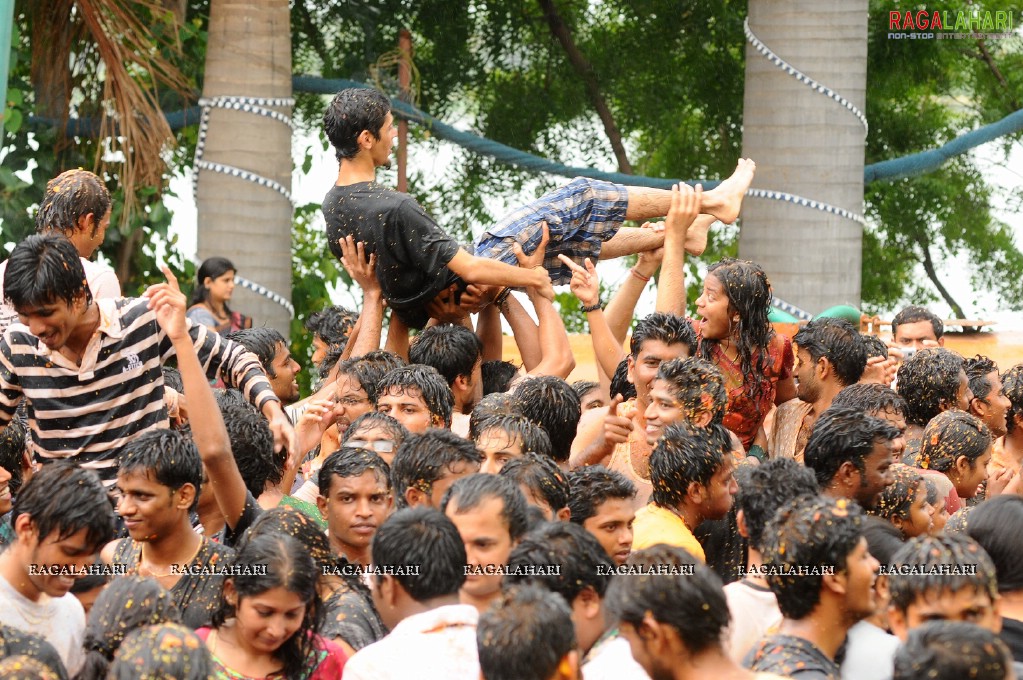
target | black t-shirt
[
  {"x": 791, "y": 657},
  {"x": 412, "y": 251}
]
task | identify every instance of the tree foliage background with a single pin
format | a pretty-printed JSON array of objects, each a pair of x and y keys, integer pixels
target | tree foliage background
[{"x": 652, "y": 87}]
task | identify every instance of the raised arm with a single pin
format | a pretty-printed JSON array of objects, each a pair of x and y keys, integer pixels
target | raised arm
[
  {"x": 363, "y": 272},
  {"x": 207, "y": 424},
  {"x": 671, "y": 288},
  {"x": 622, "y": 305},
  {"x": 474, "y": 269},
  {"x": 606, "y": 349}
]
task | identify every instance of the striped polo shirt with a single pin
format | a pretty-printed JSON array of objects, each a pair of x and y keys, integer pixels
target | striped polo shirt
[{"x": 88, "y": 413}]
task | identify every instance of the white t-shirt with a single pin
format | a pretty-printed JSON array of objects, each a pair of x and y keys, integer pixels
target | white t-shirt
[
  {"x": 612, "y": 660},
  {"x": 60, "y": 621},
  {"x": 101, "y": 278},
  {"x": 869, "y": 653},
  {"x": 755, "y": 613}
]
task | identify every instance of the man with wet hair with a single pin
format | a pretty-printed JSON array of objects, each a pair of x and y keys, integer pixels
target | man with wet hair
[
  {"x": 490, "y": 513},
  {"x": 330, "y": 326},
  {"x": 417, "y": 397},
  {"x": 425, "y": 466},
  {"x": 432, "y": 636},
  {"x": 271, "y": 348},
  {"x": 76, "y": 205},
  {"x": 457, "y": 354},
  {"x": 931, "y": 381},
  {"x": 829, "y": 356},
  {"x": 583, "y": 575},
  {"x": 621, "y": 443},
  {"x": 502, "y": 438},
  {"x": 527, "y": 635},
  {"x": 947, "y": 578},
  {"x": 1008, "y": 451},
  {"x": 61, "y": 519},
  {"x": 851, "y": 455},
  {"x": 581, "y": 220},
  {"x": 692, "y": 472},
  {"x": 101, "y": 360},
  {"x": 989, "y": 404},
  {"x": 762, "y": 490},
  {"x": 823, "y": 577},
  {"x": 377, "y": 432},
  {"x": 945, "y": 650},
  {"x": 601, "y": 501},
  {"x": 355, "y": 498},
  {"x": 996, "y": 525},
  {"x": 689, "y": 389},
  {"x": 551, "y": 403},
  {"x": 543, "y": 484}
]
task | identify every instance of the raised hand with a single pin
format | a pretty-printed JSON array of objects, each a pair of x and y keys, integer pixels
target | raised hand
[
  {"x": 685, "y": 206},
  {"x": 617, "y": 428},
  {"x": 359, "y": 267},
  {"x": 168, "y": 302},
  {"x": 585, "y": 284}
]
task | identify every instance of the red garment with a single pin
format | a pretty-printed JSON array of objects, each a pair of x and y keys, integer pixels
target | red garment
[{"x": 744, "y": 415}]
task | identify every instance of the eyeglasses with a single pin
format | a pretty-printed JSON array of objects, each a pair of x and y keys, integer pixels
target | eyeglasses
[
  {"x": 380, "y": 445},
  {"x": 349, "y": 402}
]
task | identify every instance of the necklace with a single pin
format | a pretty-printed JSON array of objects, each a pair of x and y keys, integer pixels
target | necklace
[{"x": 30, "y": 618}]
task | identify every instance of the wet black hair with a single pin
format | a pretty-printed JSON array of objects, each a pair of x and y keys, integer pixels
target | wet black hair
[
  {"x": 491, "y": 405},
  {"x": 288, "y": 565},
  {"x": 671, "y": 329},
  {"x": 63, "y": 499},
  {"x": 685, "y": 454},
  {"x": 698, "y": 385},
  {"x": 996, "y": 524},
  {"x": 422, "y": 459},
  {"x": 874, "y": 346},
  {"x": 692, "y": 603},
  {"x": 1012, "y": 387},
  {"x": 262, "y": 341},
  {"x": 580, "y": 560},
  {"x": 897, "y": 498},
  {"x": 349, "y": 113},
  {"x": 940, "y": 552},
  {"x": 144, "y": 654},
  {"x": 952, "y": 650},
  {"x": 44, "y": 269},
  {"x": 524, "y": 635},
  {"x": 168, "y": 457},
  {"x": 541, "y": 476},
  {"x": 749, "y": 296},
  {"x": 844, "y": 435},
  {"x": 929, "y": 382},
  {"x": 300, "y": 526},
  {"x": 915, "y": 314},
  {"x": 884, "y": 540},
  {"x": 423, "y": 539},
  {"x": 453, "y": 350},
  {"x": 252, "y": 443},
  {"x": 620, "y": 383},
  {"x": 352, "y": 462},
  {"x": 591, "y": 485},
  {"x": 364, "y": 372},
  {"x": 172, "y": 379},
  {"x": 870, "y": 398},
  {"x": 950, "y": 435},
  {"x": 810, "y": 530},
  {"x": 551, "y": 403},
  {"x": 532, "y": 437},
  {"x": 468, "y": 493},
  {"x": 427, "y": 382},
  {"x": 977, "y": 370},
  {"x": 12, "y": 451},
  {"x": 379, "y": 362},
  {"x": 332, "y": 324},
  {"x": 126, "y": 604},
  {"x": 497, "y": 375},
  {"x": 376, "y": 420},
  {"x": 212, "y": 268},
  {"x": 765, "y": 488},
  {"x": 584, "y": 387},
  {"x": 70, "y": 196},
  {"x": 837, "y": 341}
]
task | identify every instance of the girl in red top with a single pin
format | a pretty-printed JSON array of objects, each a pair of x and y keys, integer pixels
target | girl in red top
[{"x": 736, "y": 336}]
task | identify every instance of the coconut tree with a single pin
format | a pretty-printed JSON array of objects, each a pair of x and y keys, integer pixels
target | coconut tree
[
  {"x": 249, "y": 56},
  {"x": 806, "y": 144}
]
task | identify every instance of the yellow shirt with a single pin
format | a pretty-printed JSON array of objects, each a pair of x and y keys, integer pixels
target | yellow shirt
[{"x": 655, "y": 524}]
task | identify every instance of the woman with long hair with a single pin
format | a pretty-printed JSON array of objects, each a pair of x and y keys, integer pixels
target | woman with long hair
[
  {"x": 214, "y": 286},
  {"x": 736, "y": 336},
  {"x": 270, "y": 614}
]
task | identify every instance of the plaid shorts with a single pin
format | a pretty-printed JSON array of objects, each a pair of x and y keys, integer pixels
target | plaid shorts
[{"x": 580, "y": 216}]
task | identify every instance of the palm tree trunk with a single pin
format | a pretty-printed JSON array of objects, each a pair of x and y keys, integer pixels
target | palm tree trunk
[
  {"x": 249, "y": 55},
  {"x": 806, "y": 144}
]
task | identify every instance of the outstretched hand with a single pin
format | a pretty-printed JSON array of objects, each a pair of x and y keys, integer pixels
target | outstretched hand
[
  {"x": 585, "y": 284},
  {"x": 167, "y": 300},
  {"x": 685, "y": 206},
  {"x": 362, "y": 269},
  {"x": 536, "y": 258}
]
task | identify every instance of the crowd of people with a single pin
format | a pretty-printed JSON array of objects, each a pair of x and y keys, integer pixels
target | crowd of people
[{"x": 723, "y": 502}]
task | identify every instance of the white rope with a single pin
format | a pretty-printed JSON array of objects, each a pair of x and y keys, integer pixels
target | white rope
[
  {"x": 258, "y": 106},
  {"x": 806, "y": 203}
]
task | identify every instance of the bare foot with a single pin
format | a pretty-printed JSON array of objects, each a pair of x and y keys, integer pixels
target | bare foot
[
  {"x": 726, "y": 199},
  {"x": 696, "y": 235}
]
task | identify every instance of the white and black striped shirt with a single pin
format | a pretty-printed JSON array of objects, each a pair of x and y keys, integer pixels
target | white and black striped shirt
[{"x": 88, "y": 413}]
